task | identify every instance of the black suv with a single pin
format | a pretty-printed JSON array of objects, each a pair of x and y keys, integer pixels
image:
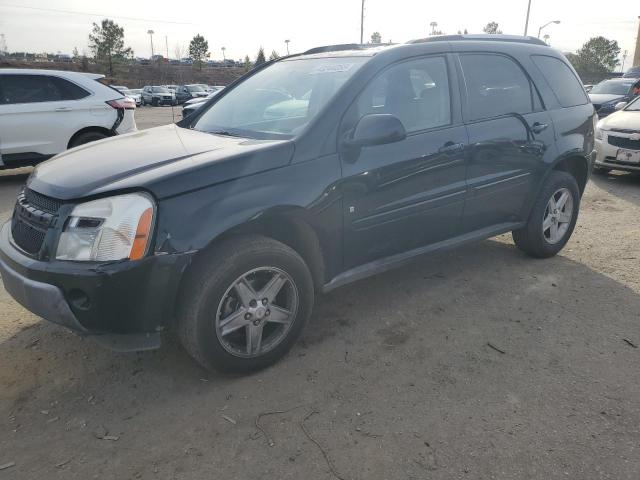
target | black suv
[{"x": 308, "y": 173}]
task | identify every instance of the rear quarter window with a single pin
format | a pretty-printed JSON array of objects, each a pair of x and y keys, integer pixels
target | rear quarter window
[{"x": 562, "y": 81}]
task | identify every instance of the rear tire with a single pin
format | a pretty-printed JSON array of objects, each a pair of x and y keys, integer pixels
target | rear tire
[
  {"x": 225, "y": 301},
  {"x": 552, "y": 218},
  {"x": 87, "y": 137}
]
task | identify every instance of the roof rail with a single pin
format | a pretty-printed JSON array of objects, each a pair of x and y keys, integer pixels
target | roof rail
[
  {"x": 341, "y": 47},
  {"x": 481, "y": 37}
]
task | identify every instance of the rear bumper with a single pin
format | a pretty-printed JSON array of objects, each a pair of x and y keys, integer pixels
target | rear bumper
[{"x": 124, "y": 304}]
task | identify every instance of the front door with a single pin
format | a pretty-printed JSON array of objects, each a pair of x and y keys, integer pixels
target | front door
[{"x": 404, "y": 195}]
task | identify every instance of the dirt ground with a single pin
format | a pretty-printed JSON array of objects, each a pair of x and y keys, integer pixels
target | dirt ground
[{"x": 397, "y": 368}]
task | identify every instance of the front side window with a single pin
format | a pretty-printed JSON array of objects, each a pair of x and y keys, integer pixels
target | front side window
[
  {"x": 561, "y": 80},
  {"x": 38, "y": 88},
  {"x": 417, "y": 92},
  {"x": 496, "y": 85},
  {"x": 280, "y": 100},
  {"x": 195, "y": 88}
]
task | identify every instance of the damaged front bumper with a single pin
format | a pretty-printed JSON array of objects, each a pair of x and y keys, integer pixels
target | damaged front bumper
[{"x": 124, "y": 305}]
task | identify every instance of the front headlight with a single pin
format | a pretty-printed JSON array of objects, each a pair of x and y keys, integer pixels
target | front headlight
[
  {"x": 600, "y": 130},
  {"x": 112, "y": 228}
]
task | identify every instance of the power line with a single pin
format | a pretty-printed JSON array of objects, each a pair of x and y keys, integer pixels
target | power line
[{"x": 75, "y": 12}]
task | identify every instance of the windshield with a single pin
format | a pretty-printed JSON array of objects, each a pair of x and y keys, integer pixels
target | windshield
[
  {"x": 633, "y": 106},
  {"x": 279, "y": 101},
  {"x": 160, "y": 90},
  {"x": 612, "y": 87},
  {"x": 135, "y": 91},
  {"x": 195, "y": 88}
]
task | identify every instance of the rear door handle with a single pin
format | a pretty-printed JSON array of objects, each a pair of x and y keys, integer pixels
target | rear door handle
[
  {"x": 539, "y": 127},
  {"x": 63, "y": 109},
  {"x": 450, "y": 148}
]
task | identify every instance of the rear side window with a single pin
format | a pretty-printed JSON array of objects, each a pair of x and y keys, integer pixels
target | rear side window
[
  {"x": 68, "y": 90},
  {"x": 496, "y": 85},
  {"x": 38, "y": 88},
  {"x": 561, "y": 80}
]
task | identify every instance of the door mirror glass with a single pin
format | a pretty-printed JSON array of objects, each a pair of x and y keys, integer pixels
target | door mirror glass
[
  {"x": 376, "y": 129},
  {"x": 620, "y": 105}
]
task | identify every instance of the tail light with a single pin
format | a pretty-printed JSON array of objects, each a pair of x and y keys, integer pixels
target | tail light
[{"x": 126, "y": 103}]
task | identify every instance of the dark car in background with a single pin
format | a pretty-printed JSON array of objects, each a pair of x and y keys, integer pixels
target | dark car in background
[
  {"x": 194, "y": 104},
  {"x": 188, "y": 92},
  {"x": 608, "y": 93},
  {"x": 157, "y": 95},
  {"x": 633, "y": 72},
  {"x": 310, "y": 172}
]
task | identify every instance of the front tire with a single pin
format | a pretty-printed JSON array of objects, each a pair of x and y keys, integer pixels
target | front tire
[
  {"x": 552, "y": 218},
  {"x": 244, "y": 306}
]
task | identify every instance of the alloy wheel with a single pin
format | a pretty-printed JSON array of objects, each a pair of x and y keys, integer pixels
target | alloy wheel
[
  {"x": 557, "y": 216},
  {"x": 256, "y": 312}
]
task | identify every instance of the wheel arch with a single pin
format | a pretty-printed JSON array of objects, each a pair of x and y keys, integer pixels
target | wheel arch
[
  {"x": 576, "y": 165},
  {"x": 287, "y": 225},
  {"x": 84, "y": 130}
]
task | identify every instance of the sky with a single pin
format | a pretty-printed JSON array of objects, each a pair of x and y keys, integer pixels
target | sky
[{"x": 242, "y": 26}]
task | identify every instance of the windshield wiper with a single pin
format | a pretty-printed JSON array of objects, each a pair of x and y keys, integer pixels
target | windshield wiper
[{"x": 225, "y": 133}]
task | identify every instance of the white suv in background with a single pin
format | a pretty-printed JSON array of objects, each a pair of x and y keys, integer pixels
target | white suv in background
[{"x": 44, "y": 112}]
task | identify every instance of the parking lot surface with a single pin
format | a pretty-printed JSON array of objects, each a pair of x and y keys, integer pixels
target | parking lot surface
[{"x": 480, "y": 363}]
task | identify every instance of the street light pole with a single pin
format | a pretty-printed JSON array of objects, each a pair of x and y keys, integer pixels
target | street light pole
[
  {"x": 224, "y": 57},
  {"x": 287, "y": 43},
  {"x": 526, "y": 23},
  {"x": 547, "y": 24},
  {"x": 151, "y": 32},
  {"x": 362, "y": 24}
]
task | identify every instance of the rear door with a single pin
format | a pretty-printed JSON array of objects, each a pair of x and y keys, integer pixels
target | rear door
[
  {"x": 36, "y": 114},
  {"x": 408, "y": 194},
  {"x": 509, "y": 134}
]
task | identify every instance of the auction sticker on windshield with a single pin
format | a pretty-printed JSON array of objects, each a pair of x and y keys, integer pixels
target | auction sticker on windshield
[{"x": 331, "y": 68}]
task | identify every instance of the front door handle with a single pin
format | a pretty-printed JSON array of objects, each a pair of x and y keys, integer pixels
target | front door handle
[
  {"x": 539, "y": 127},
  {"x": 451, "y": 148},
  {"x": 63, "y": 109}
]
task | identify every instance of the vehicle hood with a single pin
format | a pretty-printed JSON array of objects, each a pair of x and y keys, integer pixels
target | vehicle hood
[
  {"x": 622, "y": 120},
  {"x": 166, "y": 161},
  {"x": 600, "y": 98}
]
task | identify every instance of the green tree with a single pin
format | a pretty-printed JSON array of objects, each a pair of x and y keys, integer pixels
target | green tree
[
  {"x": 247, "y": 63},
  {"x": 199, "y": 50},
  {"x": 106, "y": 42},
  {"x": 260, "y": 58},
  {"x": 492, "y": 28},
  {"x": 376, "y": 38},
  {"x": 598, "y": 55},
  {"x": 274, "y": 55}
]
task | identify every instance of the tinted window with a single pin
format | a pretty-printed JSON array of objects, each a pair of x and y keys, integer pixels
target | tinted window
[
  {"x": 38, "y": 88},
  {"x": 417, "y": 92},
  {"x": 496, "y": 85},
  {"x": 68, "y": 90},
  {"x": 561, "y": 80}
]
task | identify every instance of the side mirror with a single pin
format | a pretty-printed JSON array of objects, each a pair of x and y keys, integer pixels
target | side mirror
[
  {"x": 376, "y": 129},
  {"x": 620, "y": 105}
]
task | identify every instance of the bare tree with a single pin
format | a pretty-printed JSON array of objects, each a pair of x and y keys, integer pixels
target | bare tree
[{"x": 179, "y": 50}]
